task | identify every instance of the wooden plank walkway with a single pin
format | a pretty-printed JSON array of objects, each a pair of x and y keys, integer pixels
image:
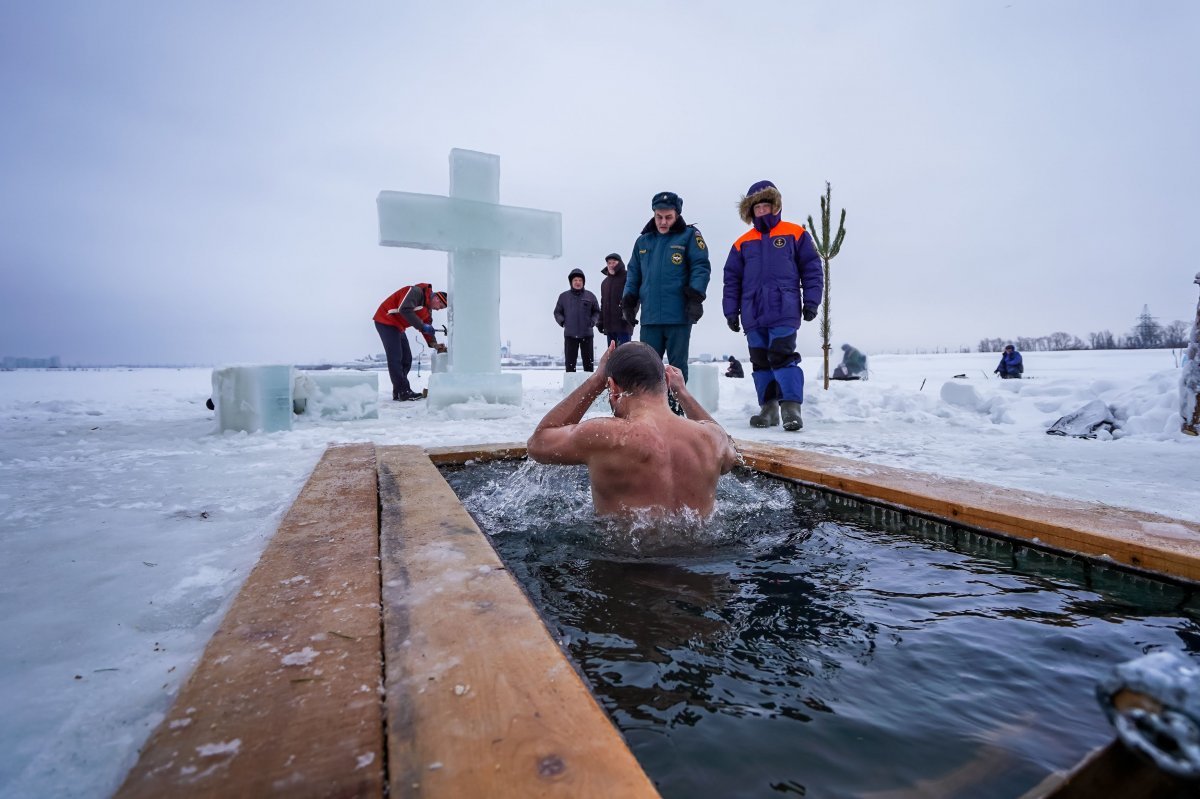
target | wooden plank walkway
[
  {"x": 285, "y": 700},
  {"x": 481, "y": 701}
]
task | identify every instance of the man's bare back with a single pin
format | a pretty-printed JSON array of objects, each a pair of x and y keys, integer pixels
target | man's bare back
[{"x": 644, "y": 459}]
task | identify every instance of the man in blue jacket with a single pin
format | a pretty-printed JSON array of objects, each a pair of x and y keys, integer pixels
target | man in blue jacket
[
  {"x": 773, "y": 278},
  {"x": 1011, "y": 367},
  {"x": 668, "y": 276}
]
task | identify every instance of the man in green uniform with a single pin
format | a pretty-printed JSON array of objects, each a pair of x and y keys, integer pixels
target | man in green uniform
[{"x": 667, "y": 276}]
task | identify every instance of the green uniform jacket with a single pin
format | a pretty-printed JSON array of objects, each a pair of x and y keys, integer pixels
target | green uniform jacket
[{"x": 661, "y": 266}]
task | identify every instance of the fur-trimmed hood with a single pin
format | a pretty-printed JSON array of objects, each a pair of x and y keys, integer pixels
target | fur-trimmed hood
[{"x": 762, "y": 192}]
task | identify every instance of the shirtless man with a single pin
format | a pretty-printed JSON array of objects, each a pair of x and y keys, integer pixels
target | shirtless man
[{"x": 644, "y": 456}]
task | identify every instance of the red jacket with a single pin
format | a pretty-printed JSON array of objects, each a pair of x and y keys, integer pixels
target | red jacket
[{"x": 412, "y": 306}]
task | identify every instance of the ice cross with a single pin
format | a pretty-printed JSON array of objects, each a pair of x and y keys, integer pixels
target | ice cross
[{"x": 475, "y": 230}]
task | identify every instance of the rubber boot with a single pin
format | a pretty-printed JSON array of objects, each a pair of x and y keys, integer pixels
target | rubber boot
[
  {"x": 791, "y": 416},
  {"x": 767, "y": 416}
]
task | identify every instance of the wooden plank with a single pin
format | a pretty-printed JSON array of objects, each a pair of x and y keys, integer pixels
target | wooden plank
[
  {"x": 285, "y": 700},
  {"x": 1143, "y": 540},
  {"x": 480, "y": 700},
  {"x": 475, "y": 452},
  {"x": 1111, "y": 770}
]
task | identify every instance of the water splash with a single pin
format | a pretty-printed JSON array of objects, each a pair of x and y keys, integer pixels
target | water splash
[{"x": 555, "y": 501}]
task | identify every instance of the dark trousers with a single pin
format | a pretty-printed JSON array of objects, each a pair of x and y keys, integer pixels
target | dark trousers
[
  {"x": 620, "y": 338},
  {"x": 571, "y": 349},
  {"x": 672, "y": 341},
  {"x": 399, "y": 357}
]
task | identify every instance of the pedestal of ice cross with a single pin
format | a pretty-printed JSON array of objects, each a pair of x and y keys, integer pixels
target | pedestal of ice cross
[{"x": 475, "y": 230}]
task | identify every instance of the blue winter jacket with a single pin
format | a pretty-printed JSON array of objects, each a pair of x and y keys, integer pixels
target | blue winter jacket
[
  {"x": 770, "y": 278},
  {"x": 662, "y": 266},
  {"x": 1011, "y": 365}
]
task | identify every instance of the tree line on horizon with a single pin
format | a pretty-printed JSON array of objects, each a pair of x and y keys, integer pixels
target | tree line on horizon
[{"x": 1146, "y": 334}]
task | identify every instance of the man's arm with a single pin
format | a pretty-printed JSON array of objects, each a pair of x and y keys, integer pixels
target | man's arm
[
  {"x": 695, "y": 411},
  {"x": 812, "y": 273},
  {"x": 699, "y": 267},
  {"x": 557, "y": 438}
]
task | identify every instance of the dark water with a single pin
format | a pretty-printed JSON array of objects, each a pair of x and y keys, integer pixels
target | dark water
[{"x": 811, "y": 645}]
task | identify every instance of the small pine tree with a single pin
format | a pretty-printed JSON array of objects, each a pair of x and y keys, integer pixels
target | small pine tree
[{"x": 827, "y": 249}]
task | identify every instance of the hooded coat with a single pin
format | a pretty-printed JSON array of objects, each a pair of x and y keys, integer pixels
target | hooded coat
[
  {"x": 773, "y": 271},
  {"x": 612, "y": 321},
  {"x": 577, "y": 310}
]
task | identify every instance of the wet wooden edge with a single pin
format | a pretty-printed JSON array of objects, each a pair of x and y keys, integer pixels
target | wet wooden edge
[
  {"x": 286, "y": 697},
  {"x": 1144, "y": 541},
  {"x": 481, "y": 701},
  {"x": 1110, "y": 770}
]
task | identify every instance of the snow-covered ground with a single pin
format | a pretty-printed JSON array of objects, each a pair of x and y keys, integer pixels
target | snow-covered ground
[{"x": 127, "y": 524}]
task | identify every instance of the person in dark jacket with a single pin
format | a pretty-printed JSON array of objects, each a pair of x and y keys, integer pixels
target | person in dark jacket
[
  {"x": 408, "y": 307},
  {"x": 773, "y": 279},
  {"x": 577, "y": 313},
  {"x": 668, "y": 276},
  {"x": 853, "y": 365},
  {"x": 735, "y": 368},
  {"x": 1011, "y": 366},
  {"x": 612, "y": 321}
]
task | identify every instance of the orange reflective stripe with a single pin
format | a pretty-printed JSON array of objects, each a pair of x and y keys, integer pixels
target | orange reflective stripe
[
  {"x": 749, "y": 235},
  {"x": 784, "y": 228}
]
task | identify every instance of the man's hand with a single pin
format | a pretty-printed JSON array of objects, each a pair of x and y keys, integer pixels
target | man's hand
[
  {"x": 440, "y": 347},
  {"x": 732, "y": 321},
  {"x": 675, "y": 381},
  {"x": 810, "y": 313},
  {"x": 629, "y": 306},
  {"x": 693, "y": 304},
  {"x": 427, "y": 329}
]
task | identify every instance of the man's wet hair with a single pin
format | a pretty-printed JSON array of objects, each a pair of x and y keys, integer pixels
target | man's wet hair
[{"x": 636, "y": 367}]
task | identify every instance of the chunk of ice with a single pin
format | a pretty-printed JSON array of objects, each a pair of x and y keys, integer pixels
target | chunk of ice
[
  {"x": 338, "y": 396},
  {"x": 252, "y": 398},
  {"x": 703, "y": 383}
]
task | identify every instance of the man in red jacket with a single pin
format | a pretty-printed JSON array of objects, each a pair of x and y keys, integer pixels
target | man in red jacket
[{"x": 408, "y": 307}]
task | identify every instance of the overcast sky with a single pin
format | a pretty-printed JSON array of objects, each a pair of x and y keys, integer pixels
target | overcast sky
[{"x": 196, "y": 182}]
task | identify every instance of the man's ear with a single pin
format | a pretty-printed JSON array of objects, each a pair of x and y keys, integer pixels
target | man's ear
[{"x": 612, "y": 386}]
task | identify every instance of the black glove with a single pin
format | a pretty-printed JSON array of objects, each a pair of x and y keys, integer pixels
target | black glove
[
  {"x": 732, "y": 321},
  {"x": 629, "y": 306},
  {"x": 693, "y": 306},
  {"x": 810, "y": 313}
]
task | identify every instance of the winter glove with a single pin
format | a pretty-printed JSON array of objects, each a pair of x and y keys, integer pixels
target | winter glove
[
  {"x": 810, "y": 313},
  {"x": 629, "y": 306},
  {"x": 440, "y": 347},
  {"x": 427, "y": 329},
  {"x": 732, "y": 321},
  {"x": 693, "y": 307}
]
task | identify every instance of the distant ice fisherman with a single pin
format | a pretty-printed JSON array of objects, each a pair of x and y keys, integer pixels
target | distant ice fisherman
[{"x": 644, "y": 457}]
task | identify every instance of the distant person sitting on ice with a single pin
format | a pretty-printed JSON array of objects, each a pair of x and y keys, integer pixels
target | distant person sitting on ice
[
  {"x": 735, "y": 368},
  {"x": 577, "y": 313},
  {"x": 1010, "y": 366},
  {"x": 853, "y": 365},
  {"x": 643, "y": 458},
  {"x": 408, "y": 307}
]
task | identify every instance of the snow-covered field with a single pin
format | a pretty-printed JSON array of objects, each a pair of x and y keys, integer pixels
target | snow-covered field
[{"x": 127, "y": 524}]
